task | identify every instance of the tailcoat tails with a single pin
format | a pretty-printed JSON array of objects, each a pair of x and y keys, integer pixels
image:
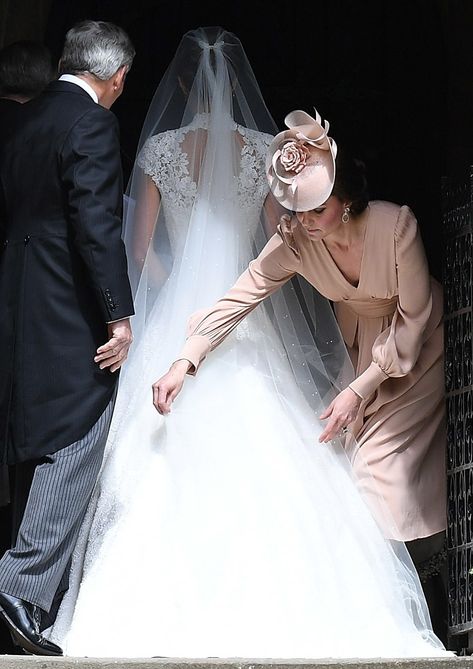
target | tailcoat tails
[{"x": 63, "y": 271}]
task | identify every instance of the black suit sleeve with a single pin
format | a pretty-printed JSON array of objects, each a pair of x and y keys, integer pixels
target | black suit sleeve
[{"x": 91, "y": 173}]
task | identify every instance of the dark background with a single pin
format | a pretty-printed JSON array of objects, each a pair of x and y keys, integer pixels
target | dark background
[{"x": 394, "y": 78}]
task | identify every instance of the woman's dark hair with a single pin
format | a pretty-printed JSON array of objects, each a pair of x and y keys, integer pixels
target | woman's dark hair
[
  {"x": 25, "y": 69},
  {"x": 350, "y": 182}
]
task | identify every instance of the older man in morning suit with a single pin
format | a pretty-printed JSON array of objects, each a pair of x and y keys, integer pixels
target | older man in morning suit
[{"x": 65, "y": 303}]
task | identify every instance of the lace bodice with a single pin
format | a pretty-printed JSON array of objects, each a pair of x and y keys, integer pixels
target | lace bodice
[{"x": 166, "y": 162}]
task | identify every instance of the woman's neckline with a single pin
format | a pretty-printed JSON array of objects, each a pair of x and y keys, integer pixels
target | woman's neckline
[{"x": 365, "y": 214}]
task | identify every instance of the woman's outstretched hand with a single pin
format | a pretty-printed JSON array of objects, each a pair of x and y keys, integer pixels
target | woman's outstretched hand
[
  {"x": 341, "y": 412},
  {"x": 168, "y": 387}
]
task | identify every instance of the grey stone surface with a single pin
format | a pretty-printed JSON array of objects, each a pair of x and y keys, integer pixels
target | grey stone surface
[{"x": 20, "y": 662}]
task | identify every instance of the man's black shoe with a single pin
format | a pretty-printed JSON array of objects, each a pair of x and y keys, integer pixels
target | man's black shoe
[{"x": 19, "y": 617}]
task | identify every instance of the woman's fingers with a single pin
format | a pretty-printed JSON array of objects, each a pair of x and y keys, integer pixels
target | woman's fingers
[
  {"x": 326, "y": 412},
  {"x": 155, "y": 396},
  {"x": 173, "y": 394},
  {"x": 341, "y": 412},
  {"x": 165, "y": 391},
  {"x": 163, "y": 395},
  {"x": 159, "y": 396},
  {"x": 337, "y": 421},
  {"x": 332, "y": 429}
]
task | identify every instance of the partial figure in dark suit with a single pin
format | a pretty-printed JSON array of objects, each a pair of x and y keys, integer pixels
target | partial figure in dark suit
[
  {"x": 65, "y": 303},
  {"x": 25, "y": 70}
]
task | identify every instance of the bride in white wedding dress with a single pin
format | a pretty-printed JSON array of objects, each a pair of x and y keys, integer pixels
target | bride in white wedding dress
[{"x": 225, "y": 529}]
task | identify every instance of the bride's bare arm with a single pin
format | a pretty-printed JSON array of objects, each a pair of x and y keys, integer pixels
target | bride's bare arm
[{"x": 146, "y": 216}]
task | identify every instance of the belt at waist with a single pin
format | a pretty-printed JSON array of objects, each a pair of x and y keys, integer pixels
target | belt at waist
[
  {"x": 349, "y": 312},
  {"x": 375, "y": 308}
]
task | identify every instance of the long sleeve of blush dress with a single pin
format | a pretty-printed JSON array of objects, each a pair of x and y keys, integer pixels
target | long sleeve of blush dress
[
  {"x": 396, "y": 349},
  {"x": 274, "y": 266}
]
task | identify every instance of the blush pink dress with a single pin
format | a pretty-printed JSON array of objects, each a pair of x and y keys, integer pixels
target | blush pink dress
[{"x": 392, "y": 325}]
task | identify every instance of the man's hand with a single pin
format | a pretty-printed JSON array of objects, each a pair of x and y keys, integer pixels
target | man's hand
[
  {"x": 342, "y": 411},
  {"x": 168, "y": 387},
  {"x": 114, "y": 353}
]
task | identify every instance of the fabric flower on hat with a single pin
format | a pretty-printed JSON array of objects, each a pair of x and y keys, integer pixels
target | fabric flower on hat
[{"x": 292, "y": 157}]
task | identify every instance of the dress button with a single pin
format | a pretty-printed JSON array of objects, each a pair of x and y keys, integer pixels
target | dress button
[{"x": 26, "y": 240}]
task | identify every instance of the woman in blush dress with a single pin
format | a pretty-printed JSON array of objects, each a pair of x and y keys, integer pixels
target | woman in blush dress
[{"x": 368, "y": 259}]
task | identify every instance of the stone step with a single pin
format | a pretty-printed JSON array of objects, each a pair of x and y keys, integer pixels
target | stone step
[{"x": 36, "y": 662}]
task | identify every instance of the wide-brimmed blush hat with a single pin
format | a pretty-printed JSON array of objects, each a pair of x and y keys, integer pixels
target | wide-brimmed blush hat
[{"x": 300, "y": 164}]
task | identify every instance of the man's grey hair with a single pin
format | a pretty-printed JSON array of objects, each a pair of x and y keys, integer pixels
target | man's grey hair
[{"x": 97, "y": 48}]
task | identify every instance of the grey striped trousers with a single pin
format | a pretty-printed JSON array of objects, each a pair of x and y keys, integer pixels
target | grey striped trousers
[{"x": 60, "y": 492}]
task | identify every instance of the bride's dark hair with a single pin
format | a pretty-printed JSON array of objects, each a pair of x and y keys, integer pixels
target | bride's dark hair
[
  {"x": 189, "y": 67},
  {"x": 350, "y": 182}
]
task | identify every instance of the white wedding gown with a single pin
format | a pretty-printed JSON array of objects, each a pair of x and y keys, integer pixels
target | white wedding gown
[{"x": 225, "y": 529}]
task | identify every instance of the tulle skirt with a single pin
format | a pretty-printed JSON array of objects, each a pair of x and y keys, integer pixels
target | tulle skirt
[{"x": 225, "y": 529}]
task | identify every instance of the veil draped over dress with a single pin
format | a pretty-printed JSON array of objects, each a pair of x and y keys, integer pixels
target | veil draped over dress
[
  {"x": 210, "y": 126},
  {"x": 224, "y": 529}
]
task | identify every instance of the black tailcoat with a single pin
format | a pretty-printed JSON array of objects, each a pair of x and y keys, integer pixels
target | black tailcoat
[{"x": 63, "y": 270}]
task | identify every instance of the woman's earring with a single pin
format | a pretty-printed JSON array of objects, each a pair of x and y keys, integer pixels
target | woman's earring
[{"x": 346, "y": 215}]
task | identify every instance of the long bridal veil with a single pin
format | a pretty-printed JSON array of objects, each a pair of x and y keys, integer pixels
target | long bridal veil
[
  {"x": 197, "y": 211},
  {"x": 209, "y": 92}
]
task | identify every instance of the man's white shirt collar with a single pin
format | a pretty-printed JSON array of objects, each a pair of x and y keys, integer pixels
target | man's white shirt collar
[{"x": 72, "y": 79}]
